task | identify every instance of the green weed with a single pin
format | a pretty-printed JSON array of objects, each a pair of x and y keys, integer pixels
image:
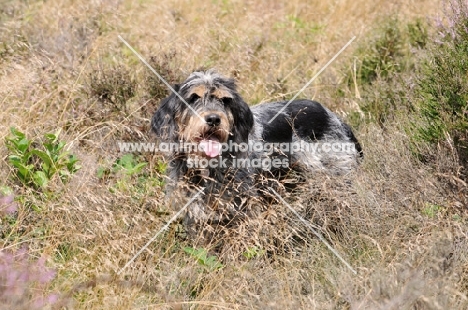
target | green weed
[
  {"x": 36, "y": 167},
  {"x": 431, "y": 210},
  {"x": 129, "y": 174},
  {"x": 208, "y": 262},
  {"x": 128, "y": 164},
  {"x": 64, "y": 252},
  {"x": 253, "y": 252}
]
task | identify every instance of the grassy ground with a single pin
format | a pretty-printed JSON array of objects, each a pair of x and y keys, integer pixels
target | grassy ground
[{"x": 401, "y": 222}]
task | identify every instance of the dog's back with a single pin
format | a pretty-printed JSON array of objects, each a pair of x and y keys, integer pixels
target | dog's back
[{"x": 319, "y": 139}]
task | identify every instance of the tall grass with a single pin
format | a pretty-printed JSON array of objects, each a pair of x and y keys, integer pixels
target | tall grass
[{"x": 400, "y": 220}]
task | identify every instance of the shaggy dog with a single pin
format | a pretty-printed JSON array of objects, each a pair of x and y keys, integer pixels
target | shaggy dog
[{"x": 227, "y": 149}]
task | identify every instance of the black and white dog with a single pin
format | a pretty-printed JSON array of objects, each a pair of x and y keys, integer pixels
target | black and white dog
[{"x": 225, "y": 147}]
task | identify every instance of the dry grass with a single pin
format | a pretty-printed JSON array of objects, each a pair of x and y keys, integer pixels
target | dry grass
[{"x": 399, "y": 223}]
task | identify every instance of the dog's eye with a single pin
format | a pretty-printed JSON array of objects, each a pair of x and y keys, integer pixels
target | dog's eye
[
  {"x": 226, "y": 100},
  {"x": 193, "y": 97}
]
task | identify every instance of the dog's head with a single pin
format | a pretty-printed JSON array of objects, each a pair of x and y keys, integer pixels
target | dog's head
[{"x": 207, "y": 110}]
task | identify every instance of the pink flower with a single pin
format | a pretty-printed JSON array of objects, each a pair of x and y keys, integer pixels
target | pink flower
[{"x": 8, "y": 204}]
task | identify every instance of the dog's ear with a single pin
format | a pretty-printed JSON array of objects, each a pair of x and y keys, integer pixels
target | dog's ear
[
  {"x": 163, "y": 122},
  {"x": 243, "y": 120}
]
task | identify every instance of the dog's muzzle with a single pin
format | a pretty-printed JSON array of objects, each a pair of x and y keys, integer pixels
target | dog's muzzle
[{"x": 210, "y": 143}]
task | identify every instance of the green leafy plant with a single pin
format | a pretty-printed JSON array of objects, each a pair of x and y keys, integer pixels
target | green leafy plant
[
  {"x": 253, "y": 252},
  {"x": 208, "y": 262},
  {"x": 35, "y": 166},
  {"x": 128, "y": 164},
  {"x": 129, "y": 173}
]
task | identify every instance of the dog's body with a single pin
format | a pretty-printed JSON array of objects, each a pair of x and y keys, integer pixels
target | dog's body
[
  {"x": 214, "y": 114},
  {"x": 308, "y": 121}
]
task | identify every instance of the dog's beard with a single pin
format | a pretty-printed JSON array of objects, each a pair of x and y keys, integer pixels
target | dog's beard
[{"x": 206, "y": 142}]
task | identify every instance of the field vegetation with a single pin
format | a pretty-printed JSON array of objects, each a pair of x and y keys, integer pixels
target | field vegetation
[{"x": 74, "y": 210}]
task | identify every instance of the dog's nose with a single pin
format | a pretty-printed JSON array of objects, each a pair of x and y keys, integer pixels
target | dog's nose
[{"x": 213, "y": 120}]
